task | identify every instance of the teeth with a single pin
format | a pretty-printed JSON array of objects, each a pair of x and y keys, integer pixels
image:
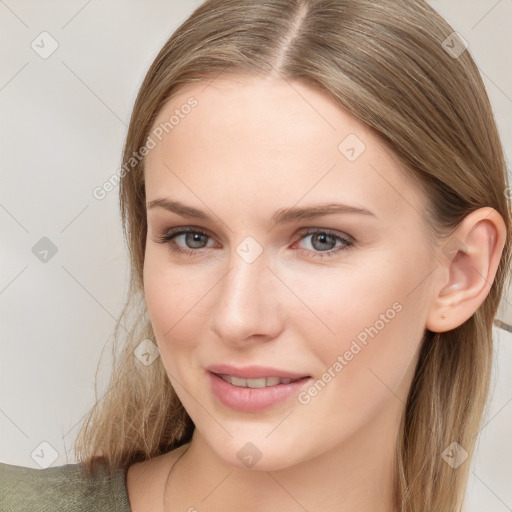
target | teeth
[{"x": 256, "y": 383}]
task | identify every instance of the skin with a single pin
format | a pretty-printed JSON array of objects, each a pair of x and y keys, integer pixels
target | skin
[{"x": 249, "y": 148}]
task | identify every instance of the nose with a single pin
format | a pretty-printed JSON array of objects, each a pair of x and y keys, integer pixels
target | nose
[{"x": 246, "y": 306}]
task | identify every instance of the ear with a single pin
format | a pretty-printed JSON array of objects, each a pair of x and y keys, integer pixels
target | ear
[{"x": 467, "y": 261}]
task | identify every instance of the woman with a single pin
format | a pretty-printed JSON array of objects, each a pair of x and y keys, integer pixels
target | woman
[{"x": 313, "y": 195}]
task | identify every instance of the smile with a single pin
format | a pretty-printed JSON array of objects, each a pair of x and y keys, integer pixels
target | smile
[
  {"x": 263, "y": 382},
  {"x": 256, "y": 394}
]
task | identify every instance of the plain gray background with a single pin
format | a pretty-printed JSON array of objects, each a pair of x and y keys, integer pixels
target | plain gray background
[{"x": 63, "y": 122}]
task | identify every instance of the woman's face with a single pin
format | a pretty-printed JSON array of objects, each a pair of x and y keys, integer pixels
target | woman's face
[{"x": 339, "y": 298}]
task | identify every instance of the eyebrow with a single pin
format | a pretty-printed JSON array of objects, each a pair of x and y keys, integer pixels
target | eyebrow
[{"x": 282, "y": 216}]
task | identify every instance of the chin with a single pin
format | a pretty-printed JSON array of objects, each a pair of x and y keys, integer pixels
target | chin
[{"x": 260, "y": 454}]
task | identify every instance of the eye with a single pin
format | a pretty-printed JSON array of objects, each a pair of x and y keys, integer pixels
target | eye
[
  {"x": 193, "y": 238},
  {"x": 323, "y": 243}
]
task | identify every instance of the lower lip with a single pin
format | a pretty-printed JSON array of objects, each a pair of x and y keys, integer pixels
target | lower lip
[{"x": 253, "y": 399}]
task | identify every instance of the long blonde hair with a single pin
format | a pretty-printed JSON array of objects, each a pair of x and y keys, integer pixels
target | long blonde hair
[{"x": 391, "y": 64}]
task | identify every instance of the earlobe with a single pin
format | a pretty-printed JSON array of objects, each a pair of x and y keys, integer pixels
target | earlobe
[{"x": 467, "y": 264}]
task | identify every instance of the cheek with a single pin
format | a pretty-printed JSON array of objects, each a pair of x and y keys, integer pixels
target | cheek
[
  {"x": 373, "y": 323},
  {"x": 174, "y": 301},
  {"x": 341, "y": 303}
]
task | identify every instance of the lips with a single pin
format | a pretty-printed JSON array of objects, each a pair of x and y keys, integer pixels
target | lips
[
  {"x": 254, "y": 388},
  {"x": 263, "y": 382},
  {"x": 254, "y": 372},
  {"x": 248, "y": 399}
]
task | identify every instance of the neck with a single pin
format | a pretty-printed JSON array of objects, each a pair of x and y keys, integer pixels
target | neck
[{"x": 353, "y": 476}]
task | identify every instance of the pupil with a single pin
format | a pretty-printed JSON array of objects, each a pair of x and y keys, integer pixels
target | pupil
[
  {"x": 322, "y": 237},
  {"x": 194, "y": 240}
]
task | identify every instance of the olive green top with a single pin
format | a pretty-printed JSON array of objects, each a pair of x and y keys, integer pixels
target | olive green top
[{"x": 62, "y": 489}]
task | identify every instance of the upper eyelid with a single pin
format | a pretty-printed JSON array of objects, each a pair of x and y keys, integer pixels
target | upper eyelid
[{"x": 303, "y": 232}]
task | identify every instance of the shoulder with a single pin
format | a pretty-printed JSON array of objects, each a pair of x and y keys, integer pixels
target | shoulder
[{"x": 65, "y": 487}]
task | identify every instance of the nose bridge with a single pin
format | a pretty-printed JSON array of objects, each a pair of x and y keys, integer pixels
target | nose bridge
[{"x": 245, "y": 304}]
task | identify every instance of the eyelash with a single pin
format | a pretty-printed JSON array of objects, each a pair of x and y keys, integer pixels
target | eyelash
[{"x": 168, "y": 237}]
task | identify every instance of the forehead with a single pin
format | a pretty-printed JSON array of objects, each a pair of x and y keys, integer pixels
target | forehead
[{"x": 256, "y": 142}]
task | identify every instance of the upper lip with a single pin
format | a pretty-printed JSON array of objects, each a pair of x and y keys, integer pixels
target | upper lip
[{"x": 253, "y": 372}]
